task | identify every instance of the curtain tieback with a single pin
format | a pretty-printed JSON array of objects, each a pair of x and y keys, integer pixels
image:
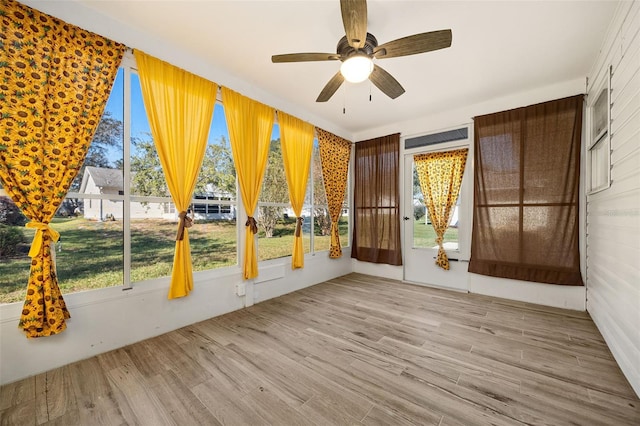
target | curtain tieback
[
  {"x": 252, "y": 224},
  {"x": 299, "y": 222},
  {"x": 38, "y": 238},
  {"x": 439, "y": 240},
  {"x": 185, "y": 222}
]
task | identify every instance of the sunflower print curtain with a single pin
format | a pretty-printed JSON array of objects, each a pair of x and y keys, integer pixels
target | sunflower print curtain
[
  {"x": 334, "y": 157},
  {"x": 440, "y": 175},
  {"x": 56, "y": 79}
]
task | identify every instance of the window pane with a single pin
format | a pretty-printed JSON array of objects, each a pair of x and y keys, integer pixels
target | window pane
[
  {"x": 280, "y": 243},
  {"x": 89, "y": 253},
  {"x": 321, "y": 216},
  {"x": 213, "y": 241},
  {"x": 599, "y": 158},
  {"x": 147, "y": 177},
  {"x": 106, "y": 149},
  {"x": 217, "y": 176},
  {"x": 274, "y": 185},
  {"x": 153, "y": 243}
]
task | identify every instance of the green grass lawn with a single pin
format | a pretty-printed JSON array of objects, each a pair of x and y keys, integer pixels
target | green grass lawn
[
  {"x": 90, "y": 253},
  {"x": 424, "y": 236}
]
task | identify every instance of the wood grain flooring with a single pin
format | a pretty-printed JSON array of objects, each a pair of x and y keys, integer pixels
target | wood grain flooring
[{"x": 356, "y": 350}]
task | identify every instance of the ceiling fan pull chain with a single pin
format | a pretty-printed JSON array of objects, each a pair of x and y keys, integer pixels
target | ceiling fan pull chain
[{"x": 344, "y": 99}]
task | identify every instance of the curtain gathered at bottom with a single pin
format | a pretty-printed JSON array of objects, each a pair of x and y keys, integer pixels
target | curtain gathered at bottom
[
  {"x": 179, "y": 106},
  {"x": 335, "y": 153},
  {"x": 48, "y": 124},
  {"x": 440, "y": 175},
  {"x": 250, "y": 124},
  {"x": 296, "y": 138}
]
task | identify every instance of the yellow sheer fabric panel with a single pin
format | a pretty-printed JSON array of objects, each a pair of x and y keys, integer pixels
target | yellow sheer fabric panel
[
  {"x": 440, "y": 175},
  {"x": 250, "y": 124},
  {"x": 334, "y": 156},
  {"x": 51, "y": 102},
  {"x": 296, "y": 137},
  {"x": 179, "y": 106}
]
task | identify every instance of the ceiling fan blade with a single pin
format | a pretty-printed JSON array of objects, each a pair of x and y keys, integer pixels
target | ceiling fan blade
[
  {"x": 354, "y": 19},
  {"x": 304, "y": 57},
  {"x": 385, "y": 82},
  {"x": 417, "y": 43},
  {"x": 330, "y": 88}
]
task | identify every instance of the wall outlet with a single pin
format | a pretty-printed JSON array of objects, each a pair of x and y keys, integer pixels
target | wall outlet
[{"x": 241, "y": 289}]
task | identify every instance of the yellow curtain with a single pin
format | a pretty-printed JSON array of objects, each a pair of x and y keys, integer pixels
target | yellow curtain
[
  {"x": 179, "y": 106},
  {"x": 440, "y": 175},
  {"x": 250, "y": 124},
  {"x": 296, "y": 137},
  {"x": 334, "y": 156},
  {"x": 56, "y": 82}
]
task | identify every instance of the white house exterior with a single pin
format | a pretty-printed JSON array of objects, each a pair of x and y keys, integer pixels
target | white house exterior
[{"x": 101, "y": 180}]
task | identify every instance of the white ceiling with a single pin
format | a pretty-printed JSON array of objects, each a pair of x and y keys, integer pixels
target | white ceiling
[{"x": 498, "y": 48}]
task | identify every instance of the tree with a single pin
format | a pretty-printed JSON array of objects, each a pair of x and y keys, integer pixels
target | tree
[
  {"x": 147, "y": 177},
  {"x": 218, "y": 173},
  {"x": 274, "y": 190}
]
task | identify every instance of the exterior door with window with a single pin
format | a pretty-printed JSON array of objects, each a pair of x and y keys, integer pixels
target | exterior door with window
[{"x": 419, "y": 246}]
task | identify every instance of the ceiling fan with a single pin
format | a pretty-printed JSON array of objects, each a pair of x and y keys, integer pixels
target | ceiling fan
[{"x": 358, "y": 48}]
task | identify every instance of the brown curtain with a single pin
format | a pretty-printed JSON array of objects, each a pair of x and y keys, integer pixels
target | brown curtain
[
  {"x": 527, "y": 168},
  {"x": 335, "y": 153},
  {"x": 376, "y": 227},
  {"x": 440, "y": 175},
  {"x": 56, "y": 82}
]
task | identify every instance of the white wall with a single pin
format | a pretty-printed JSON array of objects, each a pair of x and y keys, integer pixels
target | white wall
[
  {"x": 613, "y": 215},
  {"x": 106, "y": 319}
]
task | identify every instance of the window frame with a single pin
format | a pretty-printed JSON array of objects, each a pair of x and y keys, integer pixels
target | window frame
[{"x": 596, "y": 140}]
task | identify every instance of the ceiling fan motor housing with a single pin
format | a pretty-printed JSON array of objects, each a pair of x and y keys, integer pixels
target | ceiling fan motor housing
[{"x": 345, "y": 51}]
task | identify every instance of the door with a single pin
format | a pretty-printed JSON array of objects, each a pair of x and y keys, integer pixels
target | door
[{"x": 419, "y": 239}]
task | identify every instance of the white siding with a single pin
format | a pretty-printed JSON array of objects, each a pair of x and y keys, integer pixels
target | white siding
[{"x": 613, "y": 215}]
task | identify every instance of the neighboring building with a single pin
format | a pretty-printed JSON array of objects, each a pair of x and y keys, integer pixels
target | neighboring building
[{"x": 101, "y": 180}]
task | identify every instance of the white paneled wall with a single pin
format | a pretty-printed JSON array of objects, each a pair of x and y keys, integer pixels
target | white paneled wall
[{"x": 613, "y": 215}]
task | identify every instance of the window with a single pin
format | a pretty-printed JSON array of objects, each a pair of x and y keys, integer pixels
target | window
[
  {"x": 525, "y": 222},
  {"x": 599, "y": 147},
  {"x": 276, "y": 219},
  {"x": 317, "y": 203},
  {"x": 376, "y": 232},
  {"x": 424, "y": 236},
  {"x": 118, "y": 223}
]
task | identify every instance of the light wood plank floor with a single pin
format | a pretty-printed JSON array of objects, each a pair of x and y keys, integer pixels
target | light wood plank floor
[{"x": 356, "y": 350}]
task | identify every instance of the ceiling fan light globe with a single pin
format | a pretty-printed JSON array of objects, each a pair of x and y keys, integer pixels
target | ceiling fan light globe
[{"x": 357, "y": 68}]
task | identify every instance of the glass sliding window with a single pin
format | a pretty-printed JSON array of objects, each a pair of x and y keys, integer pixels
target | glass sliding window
[
  {"x": 152, "y": 218},
  {"x": 90, "y": 252},
  {"x": 213, "y": 236},
  {"x": 321, "y": 219},
  {"x": 276, "y": 220}
]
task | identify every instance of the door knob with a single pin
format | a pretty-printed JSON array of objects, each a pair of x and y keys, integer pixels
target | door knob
[{"x": 405, "y": 218}]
